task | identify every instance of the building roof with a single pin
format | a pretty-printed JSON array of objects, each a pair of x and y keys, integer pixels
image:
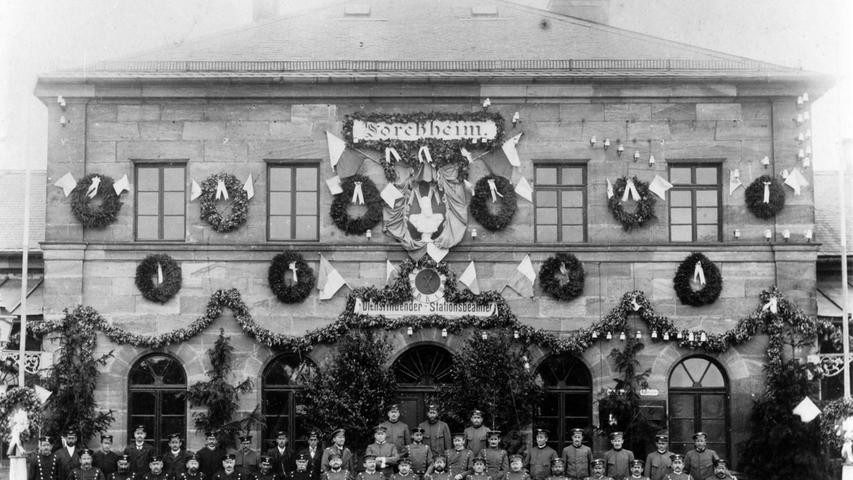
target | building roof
[
  {"x": 12, "y": 209},
  {"x": 451, "y": 38},
  {"x": 828, "y": 213}
]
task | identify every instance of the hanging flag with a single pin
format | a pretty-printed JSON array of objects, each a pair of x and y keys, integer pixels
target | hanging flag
[
  {"x": 436, "y": 253},
  {"x": 659, "y": 187},
  {"x": 510, "y": 151},
  {"x": 630, "y": 191},
  {"x": 93, "y": 187},
  {"x": 524, "y": 189},
  {"x": 334, "y": 185},
  {"x": 249, "y": 187},
  {"x": 66, "y": 183},
  {"x": 391, "y": 194},
  {"x": 796, "y": 180},
  {"x": 609, "y": 189},
  {"x": 523, "y": 278},
  {"x": 42, "y": 393},
  {"x": 469, "y": 278},
  {"x": 221, "y": 190},
  {"x": 390, "y": 271},
  {"x": 336, "y": 148},
  {"x": 329, "y": 281},
  {"x": 807, "y": 410},
  {"x": 121, "y": 185},
  {"x": 196, "y": 191},
  {"x": 734, "y": 180}
]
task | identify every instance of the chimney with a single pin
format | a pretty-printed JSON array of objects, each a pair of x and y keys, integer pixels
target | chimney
[
  {"x": 593, "y": 10},
  {"x": 264, "y": 9}
]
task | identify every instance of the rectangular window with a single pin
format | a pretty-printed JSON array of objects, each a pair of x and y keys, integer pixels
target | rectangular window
[
  {"x": 560, "y": 201},
  {"x": 161, "y": 201},
  {"x": 695, "y": 203},
  {"x": 294, "y": 202}
]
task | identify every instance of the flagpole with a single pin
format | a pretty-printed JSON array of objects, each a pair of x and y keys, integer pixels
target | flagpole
[
  {"x": 846, "y": 157},
  {"x": 25, "y": 256}
]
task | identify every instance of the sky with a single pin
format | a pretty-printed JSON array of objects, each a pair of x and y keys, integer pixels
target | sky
[{"x": 38, "y": 36}]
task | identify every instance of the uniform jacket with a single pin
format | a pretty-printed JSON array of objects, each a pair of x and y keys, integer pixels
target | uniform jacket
[
  {"x": 520, "y": 475},
  {"x": 641, "y": 477},
  {"x": 282, "y": 462},
  {"x": 459, "y": 461},
  {"x": 700, "y": 465},
  {"x": 268, "y": 476},
  {"x": 339, "y": 475},
  {"x": 210, "y": 461},
  {"x": 193, "y": 476},
  {"x": 106, "y": 461},
  {"x": 556, "y": 477},
  {"x": 477, "y": 438},
  {"x": 139, "y": 458},
  {"x": 397, "y": 433},
  {"x": 162, "y": 476},
  {"x": 128, "y": 475},
  {"x": 478, "y": 476},
  {"x": 93, "y": 473},
  {"x": 410, "y": 476},
  {"x": 497, "y": 462},
  {"x": 346, "y": 457},
  {"x": 68, "y": 461},
  {"x": 374, "y": 475},
  {"x": 538, "y": 461},
  {"x": 577, "y": 460},
  {"x": 43, "y": 467},
  {"x": 437, "y": 436},
  {"x": 618, "y": 463},
  {"x": 315, "y": 463},
  {"x": 445, "y": 475},
  {"x": 678, "y": 476},
  {"x": 603, "y": 477},
  {"x": 421, "y": 456},
  {"x": 386, "y": 450},
  {"x": 303, "y": 475},
  {"x": 246, "y": 462},
  {"x": 728, "y": 476},
  {"x": 175, "y": 465},
  {"x": 235, "y": 475},
  {"x": 657, "y": 465}
]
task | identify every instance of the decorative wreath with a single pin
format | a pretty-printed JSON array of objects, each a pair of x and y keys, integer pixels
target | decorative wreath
[
  {"x": 26, "y": 399},
  {"x": 372, "y": 200},
  {"x": 95, "y": 217},
  {"x": 567, "y": 288},
  {"x": 239, "y": 203},
  {"x": 171, "y": 283},
  {"x": 644, "y": 211},
  {"x": 282, "y": 283},
  {"x": 755, "y": 197},
  {"x": 709, "y": 293},
  {"x": 506, "y": 203}
]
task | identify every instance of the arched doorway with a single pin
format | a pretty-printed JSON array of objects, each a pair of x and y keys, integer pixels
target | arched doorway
[
  {"x": 699, "y": 401},
  {"x": 419, "y": 371},
  {"x": 568, "y": 398},
  {"x": 156, "y": 384},
  {"x": 282, "y": 380}
]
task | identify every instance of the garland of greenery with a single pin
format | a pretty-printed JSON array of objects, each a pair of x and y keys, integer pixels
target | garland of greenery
[
  {"x": 102, "y": 215},
  {"x": 27, "y": 399},
  {"x": 713, "y": 281},
  {"x": 372, "y": 200},
  {"x": 147, "y": 269},
  {"x": 294, "y": 291},
  {"x": 755, "y": 197},
  {"x": 562, "y": 289},
  {"x": 506, "y": 205},
  {"x": 644, "y": 211},
  {"x": 834, "y": 413},
  {"x": 238, "y": 197}
]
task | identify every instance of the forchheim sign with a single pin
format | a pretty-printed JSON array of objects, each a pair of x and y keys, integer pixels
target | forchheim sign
[{"x": 366, "y": 131}]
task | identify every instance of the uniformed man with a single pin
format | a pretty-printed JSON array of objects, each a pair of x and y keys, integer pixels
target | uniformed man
[
  {"x": 538, "y": 459},
  {"x": 637, "y": 471},
  {"x": 386, "y": 452},
  {"x": 699, "y": 462},
  {"x": 43, "y": 465},
  {"x": 476, "y": 435},
  {"x": 338, "y": 448},
  {"x": 658, "y": 462},
  {"x": 516, "y": 469},
  {"x": 68, "y": 456},
  {"x": 397, "y": 432},
  {"x": 314, "y": 453},
  {"x": 497, "y": 460},
  {"x": 281, "y": 455},
  {"x": 577, "y": 457},
  {"x": 155, "y": 470},
  {"x": 302, "y": 471},
  {"x": 123, "y": 471},
  {"x": 478, "y": 470},
  {"x": 86, "y": 471},
  {"x": 460, "y": 460},
  {"x": 721, "y": 471},
  {"x": 105, "y": 458},
  {"x": 370, "y": 472},
  {"x": 139, "y": 453},
  {"x": 175, "y": 460},
  {"x": 436, "y": 432},
  {"x": 404, "y": 470},
  {"x": 677, "y": 465},
  {"x": 558, "y": 471},
  {"x": 246, "y": 459},
  {"x": 229, "y": 469},
  {"x": 210, "y": 457},
  {"x": 438, "y": 470},
  {"x": 597, "y": 466},
  {"x": 193, "y": 471},
  {"x": 617, "y": 458},
  {"x": 419, "y": 453},
  {"x": 336, "y": 470},
  {"x": 265, "y": 469}
]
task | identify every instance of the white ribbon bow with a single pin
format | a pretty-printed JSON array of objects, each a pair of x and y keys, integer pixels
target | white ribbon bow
[
  {"x": 221, "y": 191},
  {"x": 390, "y": 152},
  {"x": 423, "y": 155},
  {"x": 93, "y": 188},
  {"x": 293, "y": 269},
  {"x": 466, "y": 154},
  {"x": 766, "y": 192},
  {"x": 159, "y": 274},
  {"x": 699, "y": 274},
  {"x": 635, "y": 305},
  {"x": 357, "y": 194},
  {"x": 494, "y": 190},
  {"x": 609, "y": 189},
  {"x": 630, "y": 191},
  {"x": 772, "y": 305}
]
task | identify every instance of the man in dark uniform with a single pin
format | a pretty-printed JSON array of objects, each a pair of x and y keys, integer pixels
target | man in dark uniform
[
  {"x": 439, "y": 470},
  {"x": 418, "y": 453},
  {"x": 460, "y": 460},
  {"x": 265, "y": 469},
  {"x": 476, "y": 435},
  {"x": 597, "y": 466},
  {"x": 139, "y": 453},
  {"x": 721, "y": 471},
  {"x": 68, "y": 456},
  {"x": 577, "y": 457},
  {"x": 246, "y": 459},
  {"x": 155, "y": 469},
  {"x": 538, "y": 459},
  {"x": 281, "y": 455},
  {"x": 699, "y": 462},
  {"x": 193, "y": 472},
  {"x": 302, "y": 471},
  {"x": 210, "y": 457},
  {"x": 386, "y": 452},
  {"x": 658, "y": 462},
  {"x": 314, "y": 454},
  {"x": 123, "y": 470},
  {"x": 558, "y": 470},
  {"x": 370, "y": 472},
  {"x": 637, "y": 471},
  {"x": 43, "y": 465},
  {"x": 677, "y": 465},
  {"x": 497, "y": 459},
  {"x": 175, "y": 460},
  {"x": 338, "y": 440},
  {"x": 617, "y": 458},
  {"x": 229, "y": 470},
  {"x": 436, "y": 432},
  {"x": 397, "y": 432},
  {"x": 86, "y": 471},
  {"x": 336, "y": 470},
  {"x": 404, "y": 470},
  {"x": 105, "y": 458}
]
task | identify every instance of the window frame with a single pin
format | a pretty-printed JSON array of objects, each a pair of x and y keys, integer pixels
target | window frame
[
  {"x": 693, "y": 188},
  {"x": 315, "y": 164},
  {"x": 160, "y": 165},
  {"x": 156, "y": 437},
  {"x": 559, "y": 188}
]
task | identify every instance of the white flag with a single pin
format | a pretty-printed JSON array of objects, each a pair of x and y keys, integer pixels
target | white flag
[
  {"x": 659, "y": 187},
  {"x": 249, "y": 187},
  {"x": 509, "y": 150},
  {"x": 42, "y": 394},
  {"x": 523, "y": 278},
  {"x": 524, "y": 189},
  {"x": 734, "y": 180},
  {"x": 807, "y": 410},
  {"x": 336, "y": 149},
  {"x": 196, "y": 191},
  {"x": 390, "y": 270},
  {"x": 66, "y": 183},
  {"x": 469, "y": 278},
  {"x": 796, "y": 180},
  {"x": 390, "y": 194},
  {"x": 334, "y": 185},
  {"x": 329, "y": 281},
  {"x": 121, "y": 185}
]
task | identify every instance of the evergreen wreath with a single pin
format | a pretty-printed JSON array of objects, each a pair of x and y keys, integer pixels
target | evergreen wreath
[
  {"x": 239, "y": 203},
  {"x": 644, "y": 211},
  {"x": 713, "y": 281},
  {"x": 562, "y": 289},
  {"x": 95, "y": 217},
  {"x": 372, "y": 200},
  {"x": 755, "y": 197},
  {"x": 506, "y": 205},
  {"x": 26, "y": 399},
  {"x": 297, "y": 291},
  {"x": 145, "y": 272}
]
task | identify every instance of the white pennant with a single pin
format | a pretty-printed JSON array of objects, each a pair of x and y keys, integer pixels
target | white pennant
[
  {"x": 357, "y": 194},
  {"x": 509, "y": 150},
  {"x": 391, "y": 152},
  {"x": 766, "y": 192},
  {"x": 734, "y": 180},
  {"x": 334, "y": 185},
  {"x": 796, "y": 180},
  {"x": 249, "y": 187},
  {"x": 772, "y": 305},
  {"x": 390, "y": 269},
  {"x": 630, "y": 191},
  {"x": 159, "y": 274},
  {"x": 699, "y": 274},
  {"x": 466, "y": 154},
  {"x": 121, "y": 185},
  {"x": 524, "y": 189},
  {"x": 469, "y": 278},
  {"x": 659, "y": 187},
  {"x": 42, "y": 394},
  {"x": 196, "y": 191},
  {"x": 807, "y": 410},
  {"x": 424, "y": 155},
  {"x": 66, "y": 183},
  {"x": 336, "y": 149},
  {"x": 609, "y": 189},
  {"x": 329, "y": 280},
  {"x": 221, "y": 191},
  {"x": 93, "y": 187},
  {"x": 293, "y": 269},
  {"x": 390, "y": 194},
  {"x": 494, "y": 190}
]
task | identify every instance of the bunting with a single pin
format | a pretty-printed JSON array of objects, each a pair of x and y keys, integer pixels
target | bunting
[
  {"x": 329, "y": 280},
  {"x": 195, "y": 191},
  {"x": 524, "y": 189},
  {"x": 66, "y": 183},
  {"x": 734, "y": 180},
  {"x": 659, "y": 187},
  {"x": 523, "y": 278},
  {"x": 469, "y": 278},
  {"x": 336, "y": 148},
  {"x": 510, "y": 151},
  {"x": 334, "y": 185},
  {"x": 121, "y": 185},
  {"x": 249, "y": 187},
  {"x": 390, "y": 271}
]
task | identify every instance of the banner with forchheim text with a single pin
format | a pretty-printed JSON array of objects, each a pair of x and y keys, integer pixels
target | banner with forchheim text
[{"x": 445, "y": 309}]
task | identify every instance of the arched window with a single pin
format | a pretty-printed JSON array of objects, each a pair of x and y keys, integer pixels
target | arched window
[
  {"x": 419, "y": 371},
  {"x": 156, "y": 384},
  {"x": 698, "y": 401},
  {"x": 282, "y": 380},
  {"x": 568, "y": 398}
]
